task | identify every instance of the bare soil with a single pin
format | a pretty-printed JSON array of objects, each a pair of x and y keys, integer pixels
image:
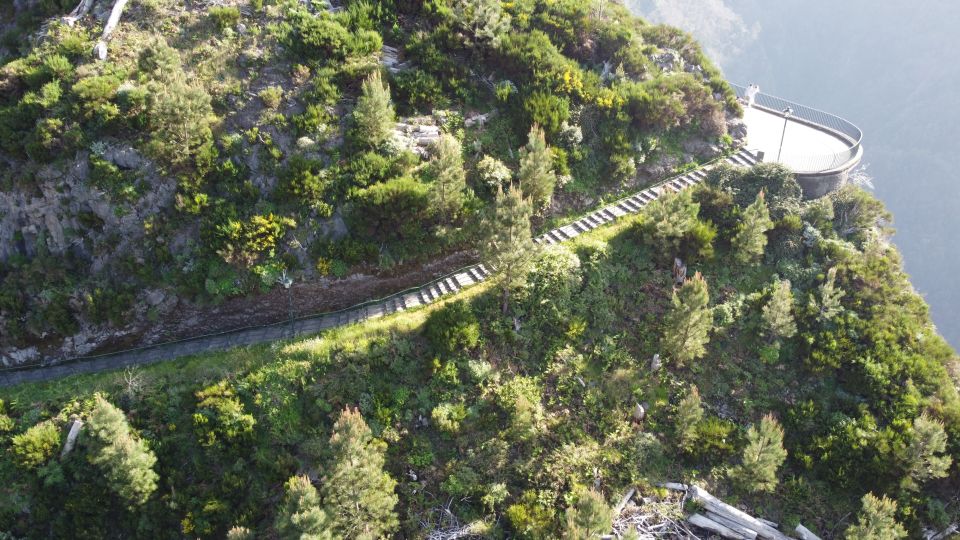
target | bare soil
[{"x": 186, "y": 320}]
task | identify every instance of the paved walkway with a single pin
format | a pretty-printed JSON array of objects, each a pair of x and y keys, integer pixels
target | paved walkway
[{"x": 426, "y": 294}]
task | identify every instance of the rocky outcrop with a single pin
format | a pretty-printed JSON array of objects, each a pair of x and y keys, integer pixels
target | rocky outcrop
[
  {"x": 416, "y": 134},
  {"x": 63, "y": 211}
]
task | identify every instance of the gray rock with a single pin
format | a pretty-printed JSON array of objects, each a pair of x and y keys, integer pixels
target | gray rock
[
  {"x": 655, "y": 363},
  {"x": 700, "y": 148},
  {"x": 15, "y": 357},
  {"x": 737, "y": 129},
  {"x": 124, "y": 157},
  {"x": 155, "y": 297}
]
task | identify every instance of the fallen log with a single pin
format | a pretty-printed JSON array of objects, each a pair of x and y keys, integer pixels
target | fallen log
[
  {"x": 804, "y": 533},
  {"x": 944, "y": 534},
  {"x": 706, "y": 523},
  {"x": 715, "y": 505},
  {"x": 624, "y": 500},
  {"x": 101, "y": 49},
  {"x": 732, "y": 525},
  {"x": 79, "y": 12}
]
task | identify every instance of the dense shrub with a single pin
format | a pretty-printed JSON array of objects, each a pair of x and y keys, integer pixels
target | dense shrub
[
  {"x": 224, "y": 16},
  {"x": 322, "y": 38},
  {"x": 220, "y": 418},
  {"x": 307, "y": 182},
  {"x": 453, "y": 329},
  {"x": 394, "y": 211},
  {"x": 245, "y": 241},
  {"x": 36, "y": 446},
  {"x": 547, "y": 110}
]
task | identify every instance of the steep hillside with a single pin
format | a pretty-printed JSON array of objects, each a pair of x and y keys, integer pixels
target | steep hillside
[
  {"x": 790, "y": 371},
  {"x": 224, "y": 147}
]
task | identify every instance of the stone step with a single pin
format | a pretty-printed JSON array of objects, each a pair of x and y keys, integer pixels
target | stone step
[
  {"x": 629, "y": 205},
  {"x": 739, "y": 160},
  {"x": 475, "y": 274}
]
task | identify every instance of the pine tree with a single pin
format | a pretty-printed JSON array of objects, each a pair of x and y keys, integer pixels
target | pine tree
[
  {"x": 751, "y": 239},
  {"x": 373, "y": 116},
  {"x": 589, "y": 518},
  {"x": 689, "y": 414},
  {"x": 508, "y": 246},
  {"x": 669, "y": 219},
  {"x": 482, "y": 19},
  {"x": 877, "y": 521},
  {"x": 829, "y": 305},
  {"x": 449, "y": 179},
  {"x": 762, "y": 457},
  {"x": 300, "y": 517},
  {"x": 777, "y": 314},
  {"x": 537, "y": 178},
  {"x": 920, "y": 455},
  {"x": 689, "y": 322},
  {"x": 126, "y": 462},
  {"x": 357, "y": 493}
]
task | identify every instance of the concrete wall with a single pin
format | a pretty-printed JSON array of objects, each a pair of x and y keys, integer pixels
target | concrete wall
[{"x": 815, "y": 186}]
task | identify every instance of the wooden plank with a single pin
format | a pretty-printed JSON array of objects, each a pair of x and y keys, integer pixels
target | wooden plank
[
  {"x": 704, "y": 522},
  {"x": 717, "y": 506},
  {"x": 804, "y": 533},
  {"x": 732, "y": 525}
]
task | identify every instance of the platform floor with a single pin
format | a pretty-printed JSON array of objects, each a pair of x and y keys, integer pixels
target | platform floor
[{"x": 764, "y": 130}]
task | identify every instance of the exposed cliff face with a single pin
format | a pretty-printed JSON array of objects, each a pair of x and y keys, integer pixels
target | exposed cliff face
[{"x": 63, "y": 211}]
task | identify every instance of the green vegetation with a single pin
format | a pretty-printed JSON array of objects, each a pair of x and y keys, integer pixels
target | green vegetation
[
  {"x": 801, "y": 372},
  {"x": 521, "y": 422},
  {"x": 125, "y": 461},
  {"x": 235, "y": 142},
  {"x": 763, "y": 455},
  {"x": 589, "y": 517},
  {"x": 689, "y": 322},
  {"x": 301, "y": 516},
  {"x": 876, "y": 521}
]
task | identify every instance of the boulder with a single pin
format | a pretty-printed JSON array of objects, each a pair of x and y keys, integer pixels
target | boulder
[
  {"x": 124, "y": 157},
  {"x": 17, "y": 357}
]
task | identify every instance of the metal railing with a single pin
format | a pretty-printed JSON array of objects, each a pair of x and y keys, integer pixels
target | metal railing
[{"x": 811, "y": 162}]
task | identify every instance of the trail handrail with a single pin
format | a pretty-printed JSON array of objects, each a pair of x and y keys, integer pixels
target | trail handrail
[
  {"x": 811, "y": 162},
  {"x": 287, "y": 323}
]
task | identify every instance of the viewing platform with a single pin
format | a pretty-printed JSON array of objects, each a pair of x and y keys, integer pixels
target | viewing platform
[{"x": 820, "y": 148}]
